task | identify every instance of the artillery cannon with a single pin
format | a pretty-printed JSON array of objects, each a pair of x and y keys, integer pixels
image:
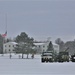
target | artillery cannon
[{"x": 63, "y": 56}]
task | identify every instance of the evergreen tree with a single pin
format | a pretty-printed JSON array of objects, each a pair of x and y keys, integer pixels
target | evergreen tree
[
  {"x": 25, "y": 44},
  {"x": 50, "y": 47}
]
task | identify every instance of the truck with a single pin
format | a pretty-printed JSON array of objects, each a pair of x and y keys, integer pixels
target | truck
[
  {"x": 47, "y": 56},
  {"x": 63, "y": 56}
]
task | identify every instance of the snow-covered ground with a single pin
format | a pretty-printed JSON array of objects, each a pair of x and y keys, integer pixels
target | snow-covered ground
[{"x": 16, "y": 66}]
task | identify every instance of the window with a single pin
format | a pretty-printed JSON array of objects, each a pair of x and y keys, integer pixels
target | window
[
  {"x": 43, "y": 46},
  {"x": 9, "y": 49},
  {"x": 17, "y": 45},
  {"x": 9, "y": 45},
  {"x": 13, "y": 50},
  {"x": 39, "y": 46},
  {"x": 5, "y": 45},
  {"x": 13, "y": 45}
]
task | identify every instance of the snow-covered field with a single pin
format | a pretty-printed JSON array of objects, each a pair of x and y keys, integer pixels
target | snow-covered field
[{"x": 16, "y": 66}]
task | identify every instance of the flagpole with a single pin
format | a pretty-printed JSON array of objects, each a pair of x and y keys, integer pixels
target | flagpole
[
  {"x": 5, "y": 25},
  {"x": 6, "y": 21},
  {"x": 5, "y": 31},
  {"x": 3, "y": 46}
]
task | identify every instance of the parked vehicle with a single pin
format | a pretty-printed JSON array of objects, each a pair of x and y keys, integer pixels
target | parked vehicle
[
  {"x": 73, "y": 58},
  {"x": 47, "y": 56},
  {"x": 63, "y": 56}
]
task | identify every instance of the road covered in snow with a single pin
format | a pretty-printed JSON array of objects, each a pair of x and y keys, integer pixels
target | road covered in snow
[{"x": 16, "y": 66}]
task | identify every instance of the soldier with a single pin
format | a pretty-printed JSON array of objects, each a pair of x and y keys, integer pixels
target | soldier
[
  {"x": 32, "y": 55},
  {"x": 10, "y": 56}
]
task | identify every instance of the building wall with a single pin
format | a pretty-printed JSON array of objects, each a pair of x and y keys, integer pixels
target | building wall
[
  {"x": 9, "y": 47},
  {"x": 56, "y": 48},
  {"x": 44, "y": 46}
]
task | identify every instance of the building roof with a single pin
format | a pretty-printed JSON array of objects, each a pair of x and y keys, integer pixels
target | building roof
[
  {"x": 39, "y": 43},
  {"x": 44, "y": 43}
]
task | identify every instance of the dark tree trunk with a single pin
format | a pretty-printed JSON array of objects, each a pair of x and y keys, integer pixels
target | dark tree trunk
[{"x": 22, "y": 56}]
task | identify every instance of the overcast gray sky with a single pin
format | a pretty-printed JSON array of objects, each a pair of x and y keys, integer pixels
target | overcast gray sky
[{"x": 39, "y": 19}]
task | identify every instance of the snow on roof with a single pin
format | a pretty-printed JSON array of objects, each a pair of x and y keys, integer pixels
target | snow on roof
[
  {"x": 44, "y": 43},
  {"x": 12, "y": 42},
  {"x": 39, "y": 43}
]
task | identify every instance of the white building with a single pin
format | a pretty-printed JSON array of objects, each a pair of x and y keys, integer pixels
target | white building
[
  {"x": 9, "y": 47},
  {"x": 40, "y": 47}
]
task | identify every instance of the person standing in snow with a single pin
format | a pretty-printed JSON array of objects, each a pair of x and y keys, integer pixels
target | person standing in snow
[
  {"x": 32, "y": 55},
  {"x": 10, "y": 56}
]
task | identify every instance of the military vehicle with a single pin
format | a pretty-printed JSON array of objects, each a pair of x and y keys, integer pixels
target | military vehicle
[
  {"x": 73, "y": 58},
  {"x": 63, "y": 56},
  {"x": 47, "y": 56}
]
